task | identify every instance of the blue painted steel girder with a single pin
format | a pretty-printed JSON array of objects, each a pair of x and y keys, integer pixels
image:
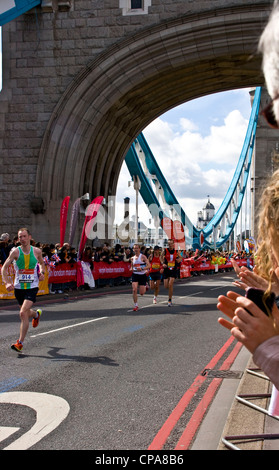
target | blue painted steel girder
[
  {"x": 244, "y": 159},
  {"x": 11, "y": 9},
  {"x": 242, "y": 172}
]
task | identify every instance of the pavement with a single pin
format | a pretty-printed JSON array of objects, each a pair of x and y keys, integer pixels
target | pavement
[{"x": 228, "y": 415}]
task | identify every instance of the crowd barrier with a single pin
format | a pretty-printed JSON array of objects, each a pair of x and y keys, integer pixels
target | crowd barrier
[
  {"x": 188, "y": 266},
  {"x": 67, "y": 273}
]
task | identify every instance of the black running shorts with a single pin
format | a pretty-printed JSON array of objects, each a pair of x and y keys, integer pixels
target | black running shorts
[
  {"x": 26, "y": 294},
  {"x": 140, "y": 278}
]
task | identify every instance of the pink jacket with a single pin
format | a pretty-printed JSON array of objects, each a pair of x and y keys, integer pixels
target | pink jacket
[{"x": 266, "y": 357}]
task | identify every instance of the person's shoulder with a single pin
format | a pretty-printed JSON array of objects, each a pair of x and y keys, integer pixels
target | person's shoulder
[
  {"x": 37, "y": 251},
  {"x": 14, "y": 253}
]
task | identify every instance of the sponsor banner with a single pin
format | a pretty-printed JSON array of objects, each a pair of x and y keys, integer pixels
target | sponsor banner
[
  {"x": 116, "y": 269},
  {"x": 4, "y": 294},
  {"x": 63, "y": 218},
  {"x": 185, "y": 270},
  {"x": 68, "y": 273},
  {"x": 205, "y": 265},
  {"x": 74, "y": 220},
  {"x": 91, "y": 213},
  {"x": 62, "y": 273}
]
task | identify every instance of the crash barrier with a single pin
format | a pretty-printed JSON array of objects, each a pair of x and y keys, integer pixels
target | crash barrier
[
  {"x": 245, "y": 441},
  {"x": 109, "y": 273},
  {"x": 72, "y": 273},
  {"x": 189, "y": 267}
]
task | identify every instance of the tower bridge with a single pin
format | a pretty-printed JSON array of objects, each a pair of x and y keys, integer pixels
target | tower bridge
[{"x": 82, "y": 79}]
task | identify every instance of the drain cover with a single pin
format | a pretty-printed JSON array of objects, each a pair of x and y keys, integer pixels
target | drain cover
[{"x": 223, "y": 374}]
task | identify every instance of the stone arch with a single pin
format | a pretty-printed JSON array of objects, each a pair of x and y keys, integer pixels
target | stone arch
[{"x": 135, "y": 81}]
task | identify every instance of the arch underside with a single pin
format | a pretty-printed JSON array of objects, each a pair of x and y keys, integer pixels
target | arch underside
[{"x": 124, "y": 89}]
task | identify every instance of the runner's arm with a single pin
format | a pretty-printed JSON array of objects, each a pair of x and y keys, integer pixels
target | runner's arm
[
  {"x": 147, "y": 263},
  {"x": 12, "y": 257},
  {"x": 41, "y": 263}
]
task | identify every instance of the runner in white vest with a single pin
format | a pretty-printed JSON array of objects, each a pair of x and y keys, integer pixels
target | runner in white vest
[{"x": 139, "y": 267}]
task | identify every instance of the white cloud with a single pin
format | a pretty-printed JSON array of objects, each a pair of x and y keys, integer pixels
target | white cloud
[{"x": 195, "y": 164}]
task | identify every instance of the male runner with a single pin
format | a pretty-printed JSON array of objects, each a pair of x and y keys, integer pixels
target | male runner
[
  {"x": 170, "y": 260},
  {"x": 139, "y": 266},
  {"x": 29, "y": 270},
  {"x": 155, "y": 273}
]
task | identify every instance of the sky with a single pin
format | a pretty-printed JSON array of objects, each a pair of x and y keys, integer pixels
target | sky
[{"x": 197, "y": 146}]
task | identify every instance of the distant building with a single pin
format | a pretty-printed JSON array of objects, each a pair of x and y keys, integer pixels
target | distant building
[{"x": 205, "y": 215}]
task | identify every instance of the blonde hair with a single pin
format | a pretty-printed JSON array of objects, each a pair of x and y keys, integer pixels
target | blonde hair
[{"x": 268, "y": 223}]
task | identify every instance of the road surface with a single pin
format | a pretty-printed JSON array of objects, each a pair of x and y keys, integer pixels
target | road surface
[{"x": 96, "y": 375}]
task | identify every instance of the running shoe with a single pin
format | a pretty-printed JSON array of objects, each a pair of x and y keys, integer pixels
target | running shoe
[
  {"x": 169, "y": 303},
  {"x": 17, "y": 346},
  {"x": 135, "y": 309},
  {"x": 35, "y": 321},
  {"x": 154, "y": 300}
]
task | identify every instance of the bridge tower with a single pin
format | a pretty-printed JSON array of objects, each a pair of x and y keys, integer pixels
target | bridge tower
[{"x": 266, "y": 159}]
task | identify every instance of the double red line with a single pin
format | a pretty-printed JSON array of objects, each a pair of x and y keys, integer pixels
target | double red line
[{"x": 192, "y": 426}]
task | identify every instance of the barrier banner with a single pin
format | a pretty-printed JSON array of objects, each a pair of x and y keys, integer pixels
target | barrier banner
[
  {"x": 185, "y": 270},
  {"x": 116, "y": 269},
  {"x": 4, "y": 294},
  {"x": 63, "y": 218},
  {"x": 66, "y": 272},
  {"x": 62, "y": 273}
]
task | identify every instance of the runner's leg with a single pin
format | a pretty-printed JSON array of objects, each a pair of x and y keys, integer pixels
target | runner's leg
[
  {"x": 135, "y": 292},
  {"x": 171, "y": 281},
  {"x": 25, "y": 314}
]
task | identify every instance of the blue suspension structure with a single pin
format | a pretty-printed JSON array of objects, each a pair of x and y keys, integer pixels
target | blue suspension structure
[
  {"x": 146, "y": 173},
  {"x": 11, "y": 9}
]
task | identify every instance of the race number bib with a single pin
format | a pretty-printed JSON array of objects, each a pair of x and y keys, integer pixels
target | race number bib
[{"x": 26, "y": 275}]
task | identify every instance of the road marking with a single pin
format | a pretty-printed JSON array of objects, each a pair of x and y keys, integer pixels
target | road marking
[
  {"x": 6, "y": 432},
  {"x": 163, "y": 434},
  {"x": 51, "y": 411},
  {"x": 67, "y": 327},
  {"x": 190, "y": 295},
  {"x": 197, "y": 417},
  {"x": 220, "y": 287}
]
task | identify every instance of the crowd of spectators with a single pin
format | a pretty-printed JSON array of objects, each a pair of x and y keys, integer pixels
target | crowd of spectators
[{"x": 54, "y": 254}]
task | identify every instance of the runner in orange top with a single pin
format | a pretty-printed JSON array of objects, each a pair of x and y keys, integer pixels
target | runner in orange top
[
  {"x": 171, "y": 258},
  {"x": 155, "y": 272}
]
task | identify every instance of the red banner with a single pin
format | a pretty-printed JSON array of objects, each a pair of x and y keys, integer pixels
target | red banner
[
  {"x": 91, "y": 213},
  {"x": 68, "y": 272},
  {"x": 63, "y": 218},
  {"x": 116, "y": 269},
  {"x": 62, "y": 273},
  {"x": 74, "y": 220}
]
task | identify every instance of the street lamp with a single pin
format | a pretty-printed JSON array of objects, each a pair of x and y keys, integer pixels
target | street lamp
[{"x": 137, "y": 186}]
